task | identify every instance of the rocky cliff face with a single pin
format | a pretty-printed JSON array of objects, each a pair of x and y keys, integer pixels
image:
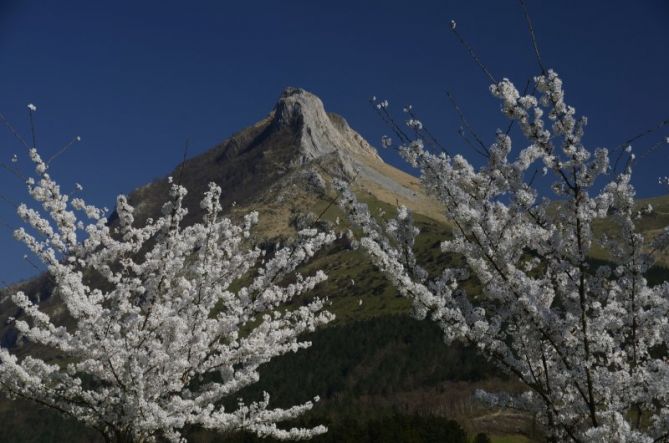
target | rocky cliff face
[
  {"x": 289, "y": 158},
  {"x": 318, "y": 133}
]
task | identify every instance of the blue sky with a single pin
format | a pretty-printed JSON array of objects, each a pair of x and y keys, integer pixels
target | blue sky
[{"x": 135, "y": 79}]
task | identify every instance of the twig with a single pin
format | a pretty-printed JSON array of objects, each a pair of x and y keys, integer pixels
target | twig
[
  {"x": 183, "y": 162},
  {"x": 469, "y": 49},
  {"x": 533, "y": 36},
  {"x": 26, "y": 258},
  {"x": 653, "y": 148},
  {"x": 461, "y": 133},
  {"x": 14, "y": 131},
  {"x": 433, "y": 141},
  {"x": 627, "y": 142},
  {"x": 382, "y": 111},
  {"x": 32, "y": 126},
  {"x": 63, "y": 149},
  {"x": 335, "y": 198},
  {"x": 534, "y": 175},
  {"x": 466, "y": 124},
  {"x": 648, "y": 131},
  {"x": 13, "y": 171}
]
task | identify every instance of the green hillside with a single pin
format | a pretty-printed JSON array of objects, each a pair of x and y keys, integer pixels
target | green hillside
[{"x": 374, "y": 366}]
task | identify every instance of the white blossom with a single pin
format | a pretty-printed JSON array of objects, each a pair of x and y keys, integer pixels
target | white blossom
[
  {"x": 386, "y": 141},
  {"x": 164, "y": 321},
  {"x": 584, "y": 338},
  {"x": 414, "y": 124}
]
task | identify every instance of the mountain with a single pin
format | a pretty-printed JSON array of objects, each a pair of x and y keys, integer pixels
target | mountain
[
  {"x": 285, "y": 163},
  {"x": 375, "y": 367}
]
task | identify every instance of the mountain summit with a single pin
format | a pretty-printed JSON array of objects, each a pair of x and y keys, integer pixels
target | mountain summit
[
  {"x": 319, "y": 133},
  {"x": 286, "y": 163}
]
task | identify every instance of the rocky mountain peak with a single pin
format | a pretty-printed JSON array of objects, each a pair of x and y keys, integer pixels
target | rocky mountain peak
[
  {"x": 282, "y": 158},
  {"x": 318, "y": 131}
]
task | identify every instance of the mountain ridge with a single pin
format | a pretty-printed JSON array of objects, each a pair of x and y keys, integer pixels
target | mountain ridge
[{"x": 282, "y": 158}]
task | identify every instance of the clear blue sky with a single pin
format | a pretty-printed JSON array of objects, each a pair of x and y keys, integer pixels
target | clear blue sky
[{"x": 135, "y": 79}]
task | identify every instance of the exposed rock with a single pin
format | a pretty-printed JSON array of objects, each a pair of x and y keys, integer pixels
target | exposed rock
[
  {"x": 269, "y": 163},
  {"x": 318, "y": 132}
]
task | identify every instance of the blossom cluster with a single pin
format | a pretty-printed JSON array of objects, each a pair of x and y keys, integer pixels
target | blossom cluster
[
  {"x": 587, "y": 339},
  {"x": 163, "y": 321}
]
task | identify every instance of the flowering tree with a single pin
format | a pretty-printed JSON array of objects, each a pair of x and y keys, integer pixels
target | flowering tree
[
  {"x": 163, "y": 322},
  {"x": 588, "y": 340}
]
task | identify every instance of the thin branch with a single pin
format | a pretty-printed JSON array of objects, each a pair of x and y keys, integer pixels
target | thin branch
[
  {"x": 390, "y": 121},
  {"x": 648, "y": 131},
  {"x": 463, "y": 135},
  {"x": 63, "y": 149},
  {"x": 533, "y": 36},
  {"x": 335, "y": 198},
  {"x": 183, "y": 162},
  {"x": 13, "y": 171},
  {"x": 469, "y": 49},
  {"x": 630, "y": 140},
  {"x": 466, "y": 124},
  {"x": 431, "y": 138},
  {"x": 14, "y": 132},
  {"x": 534, "y": 176},
  {"x": 26, "y": 258},
  {"x": 654, "y": 147},
  {"x": 32, "y": 126}
]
